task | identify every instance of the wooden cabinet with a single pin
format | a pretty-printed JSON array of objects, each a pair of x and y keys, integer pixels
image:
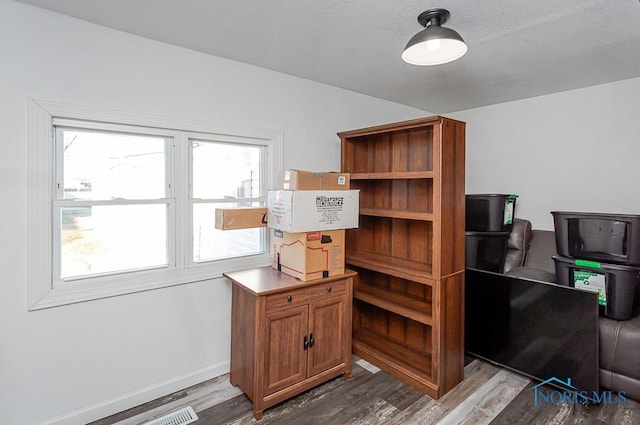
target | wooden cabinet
[
  {"x": 288, "y": 336},
  {"x": 409, "y": 249}
]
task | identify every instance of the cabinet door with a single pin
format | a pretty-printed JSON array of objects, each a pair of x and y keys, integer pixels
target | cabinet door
[
  {"x": 328, "y": 331},
  {"x": 285, "y": 354}
]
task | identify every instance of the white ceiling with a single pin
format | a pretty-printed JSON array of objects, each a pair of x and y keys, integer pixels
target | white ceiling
[{"x": 517, "y": 48}]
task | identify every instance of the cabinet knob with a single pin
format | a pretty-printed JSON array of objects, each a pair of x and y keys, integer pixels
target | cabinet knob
[
  {"x": 289, "y": 299},
  {"x": 328, "y": 288}
]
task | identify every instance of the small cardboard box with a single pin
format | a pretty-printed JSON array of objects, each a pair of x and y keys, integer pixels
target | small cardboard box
[
  {"x": 296, "y": 211},
  {"x": 311, "y": 180},
  {"x": 308, "y": 255},
  {"x": 241, "y": 218}
]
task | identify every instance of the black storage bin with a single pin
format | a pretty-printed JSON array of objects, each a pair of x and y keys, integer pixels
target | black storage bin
[
  {"x": 489, "y": 212},
  {"x": 621, "y": 284},
  {"x": 486, "y": 250},
  {"x": 610, "y": 238}
]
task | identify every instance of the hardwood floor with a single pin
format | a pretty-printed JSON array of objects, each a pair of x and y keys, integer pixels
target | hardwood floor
[{"x": 488, "y": 395}]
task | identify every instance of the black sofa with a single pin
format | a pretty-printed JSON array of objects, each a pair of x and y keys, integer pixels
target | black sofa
[{"x": 529, "y": 255}]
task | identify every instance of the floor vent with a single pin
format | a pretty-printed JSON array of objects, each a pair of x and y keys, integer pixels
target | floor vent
[{"x": 179, "y": 417}]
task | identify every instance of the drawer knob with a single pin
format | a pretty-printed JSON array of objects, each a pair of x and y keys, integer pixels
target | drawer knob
[
  {"x": 289, "y": 299},
  {"x": 328, "y": 288}
]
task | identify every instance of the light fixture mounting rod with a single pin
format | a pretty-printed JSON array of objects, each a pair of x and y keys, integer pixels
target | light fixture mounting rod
[{"x": 440, "y": 16}]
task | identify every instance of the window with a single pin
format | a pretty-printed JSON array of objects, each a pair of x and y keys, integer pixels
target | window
[
  {"x": 113, "y": 202},
  {"x": 122, "y": 203},
  {"x": 223, "y": 171}
]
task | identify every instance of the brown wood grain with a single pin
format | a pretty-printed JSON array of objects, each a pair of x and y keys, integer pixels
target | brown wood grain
[
  {"x": 272, "y": 317},
  {"x": 266, "y": 280},
  {"x": 327, "y": 321},
  {"x": 285, "y": 359},
  {"x": 411, "y": 229}
]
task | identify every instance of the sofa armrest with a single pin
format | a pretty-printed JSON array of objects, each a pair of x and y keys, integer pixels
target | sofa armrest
[{"x": 518, "y": 244}]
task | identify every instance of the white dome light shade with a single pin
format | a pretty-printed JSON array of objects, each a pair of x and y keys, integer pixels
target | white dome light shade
[{"x": 434, "y": 45}]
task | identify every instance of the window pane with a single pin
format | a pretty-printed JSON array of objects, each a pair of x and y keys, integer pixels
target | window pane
[
  {"x": 223, "y": 170},
  {"x": 104, "y": 239},
  {"x": 210, "y": 243},
  {"x": 104, "y": 165}
]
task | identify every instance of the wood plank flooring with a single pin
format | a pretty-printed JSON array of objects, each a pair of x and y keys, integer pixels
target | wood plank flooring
[{"x": 488, "y": 395}]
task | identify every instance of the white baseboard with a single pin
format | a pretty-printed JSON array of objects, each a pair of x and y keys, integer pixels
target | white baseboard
[{"x": 135, "y": 398}]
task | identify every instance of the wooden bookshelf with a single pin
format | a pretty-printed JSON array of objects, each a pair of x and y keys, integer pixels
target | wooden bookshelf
[{"x": 409, "y": 249}]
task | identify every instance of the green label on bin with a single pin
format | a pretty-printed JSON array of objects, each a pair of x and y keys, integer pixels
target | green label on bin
[
  {"x": 508, "y": 212},
  {"x": 594, "y": 282},
  {"x": 587, "y": 263}
]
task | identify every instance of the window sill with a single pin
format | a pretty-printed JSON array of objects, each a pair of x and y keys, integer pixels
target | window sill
[{"x": 111, "y": 286}]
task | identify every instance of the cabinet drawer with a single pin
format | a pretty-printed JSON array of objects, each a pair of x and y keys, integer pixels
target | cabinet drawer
[
  {"x": 287, "y": 299},
  {"x": 332, "y": 289}
]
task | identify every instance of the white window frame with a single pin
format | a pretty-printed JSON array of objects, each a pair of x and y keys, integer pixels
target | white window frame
[
  {"x": 169, "y": 198},
  {"x": 189, "y": 136},
  {"x": 41, "y": 291}
]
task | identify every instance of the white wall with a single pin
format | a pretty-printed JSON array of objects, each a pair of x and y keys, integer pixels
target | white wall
[
  {"x": 77, "y": 363},
  {"x": 572, "y": 151}
]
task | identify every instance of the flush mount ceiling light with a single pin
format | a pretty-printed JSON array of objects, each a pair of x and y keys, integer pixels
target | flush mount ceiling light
[{"x": 435, "y": 44}]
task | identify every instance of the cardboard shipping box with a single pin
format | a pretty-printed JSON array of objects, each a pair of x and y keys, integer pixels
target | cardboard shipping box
[
  {"x": 308, "y": 255},
  {"x": 310, "y": 210},
  {"x": 241, "y": 218},
  {"x": 311, "y": 180}
]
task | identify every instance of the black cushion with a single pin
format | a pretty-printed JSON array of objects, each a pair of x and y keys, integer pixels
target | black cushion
[{"x": 541, "y": 251}]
